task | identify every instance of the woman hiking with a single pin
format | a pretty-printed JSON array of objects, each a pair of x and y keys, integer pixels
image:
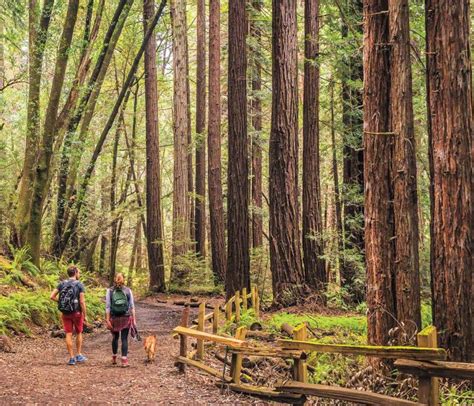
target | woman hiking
[{"x": 120, "y": 316}]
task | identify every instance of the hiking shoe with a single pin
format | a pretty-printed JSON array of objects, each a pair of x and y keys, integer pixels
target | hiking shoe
[
  {"x": 114, "y": 360},
  {"x": 72, "y": 361},
  {"x": 80, "y": 358},
  {"x": 125, "y": 362}
]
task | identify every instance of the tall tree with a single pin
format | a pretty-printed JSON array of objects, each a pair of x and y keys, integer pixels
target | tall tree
[
  {"x": 238, "y": 255},
  {"x": 256, "y": 115},
  {"x": 314, "y": 268},
  {"x": 285, "y": 238},
  {"x": 216, "y": 204},
  {"x": 43, "y": 165},
  {"x": 379, "y": 227},
  {"x": 449, "y": 91},
  {"x": 38, "y": 26},
  {"x": 154, "y": 222},
  {"x": 200, "y": 199},
  {"x": 353, "y": 156},
  {"x": 404, "y": 183},
  {"x": 181, "y": 215}
]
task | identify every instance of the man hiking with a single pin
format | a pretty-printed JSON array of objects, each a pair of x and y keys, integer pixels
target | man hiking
[{"x": 71, "y": 303}]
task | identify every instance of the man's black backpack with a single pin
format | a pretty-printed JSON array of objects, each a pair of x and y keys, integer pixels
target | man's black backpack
[
  {"x": 118, "y": 302},
  {"x": 68, "y": 298}
]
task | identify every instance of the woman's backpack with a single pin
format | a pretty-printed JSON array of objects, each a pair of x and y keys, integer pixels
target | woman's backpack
[{"x": 118, "y": 302}]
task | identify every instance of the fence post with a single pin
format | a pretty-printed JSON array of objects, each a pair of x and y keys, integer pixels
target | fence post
[
  {"x": 200, "y": 343},
  {"x": 215, "y": 320},
  {"x": 244, "y": 299},
  {"x": 257, "y": 303},
  {"x": 428, "y": 389},
  {"x": 300, "y": 372},
  {"x": 237, "y": 306},
  {"x": 228, "y": 310},
  {"x": 183, "y": 344},
  {"x": 236, "y": 365}
]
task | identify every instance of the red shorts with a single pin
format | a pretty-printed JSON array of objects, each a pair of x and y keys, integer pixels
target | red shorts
[{"x": 73, "y": 320}]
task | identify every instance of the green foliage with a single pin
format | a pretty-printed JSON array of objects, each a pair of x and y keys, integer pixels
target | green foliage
[
  {"x": 23, "y": 307},
  {"x": 339, "y": 324}
]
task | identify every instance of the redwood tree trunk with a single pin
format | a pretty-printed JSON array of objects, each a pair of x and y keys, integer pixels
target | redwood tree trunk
[
  {"x": 285, "y": 239},
  {"x": 449, "y": 81},
  {"x": 256, "y": 113},
  {"x": 314, "y": 268},
  {"x": 379, "y": 225},
  {"x": 200, "y": 200},
  {"x": 405, "y": 200},
  {"x": 154, "y": 223},
  {"x": 181, "y": 215},
  {"x": 238, "y": 260},
  {"x": 353, "y": 159},
  {"x": 216, "y": 205}
]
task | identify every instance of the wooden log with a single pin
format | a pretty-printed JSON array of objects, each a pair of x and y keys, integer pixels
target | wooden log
[
  {"x": 256, "y": 326},
  {"x": 236, "y": 366},
  {"x": 230, "y": 341},
  {"x": 267, "y": 393},
  {"x": 428, "y": 388},
  {"x": 203, "y": 367},
  {"x": 344, "y": 394},
  {"x": 300, "y": 372},
  {"x": 183, "y": 343},
  {"x": 367, "y": 350},
  {"x": 215, "y": 320},
  {"x": 440, "y": 369},
  {"x": 185, "y": 303},
  {"x": 244, "y": 299},
  {"x": 269, "y": 352},
  {"x": 237, "y": 306},
  {"x": 286, "y": 328},
  {"x": 261, "y": 335},
  {"x": 200, "y": 342},
  {"x": 222, "y": 359}
]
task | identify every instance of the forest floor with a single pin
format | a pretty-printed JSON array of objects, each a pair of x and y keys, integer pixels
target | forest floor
[{"x": 37, "y": 372}]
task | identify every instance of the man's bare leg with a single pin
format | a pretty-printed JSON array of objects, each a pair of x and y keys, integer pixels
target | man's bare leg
[
  {"x": 79, "y": 343},
  {"x": 69, "y": 344}
]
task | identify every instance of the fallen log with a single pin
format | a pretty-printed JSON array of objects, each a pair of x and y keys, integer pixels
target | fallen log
[
  {"x": 196, "y": 364},
  {"x": 261, "y": 335},
  {"x": 244, "y": 371},
  {"x": 267, "y": 393},
  {"x": 345, "y": 394},
  {"x": 287, "y": 329}
]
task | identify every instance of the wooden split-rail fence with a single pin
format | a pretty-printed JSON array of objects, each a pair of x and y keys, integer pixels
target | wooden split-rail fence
[{"x": 425, "y": 361}]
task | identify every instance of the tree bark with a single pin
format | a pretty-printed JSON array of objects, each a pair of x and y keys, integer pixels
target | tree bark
[
  {"x": 314, "y": 268},
  {"x": 379, "y": 227},
  {"x": 238, "y": 256},
  {"x": 405, "y": 199},
  {"x": 181, "y": 215},
  {"x": 73, "y": 147},
  {"x": 66, "y": 199},
  {"x": 43, "y": 167},
  {"x": 256, "y": 114},
  {"x": 285, "y": 238},
  {"x": 216, "y": 204},
  {"x": 353, "y": 158},
  {"x": 38, "y": 25},
  {"x": 449, "y": 91},
  {"x": 200, "y": 199},
  {"x": 154, "y": 221}
]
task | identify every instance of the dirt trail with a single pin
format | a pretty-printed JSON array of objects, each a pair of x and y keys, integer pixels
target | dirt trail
[{"x": 37, "y": 373}]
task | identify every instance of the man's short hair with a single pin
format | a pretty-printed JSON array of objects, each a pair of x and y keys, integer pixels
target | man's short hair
[{"x": 72, "y": 270}]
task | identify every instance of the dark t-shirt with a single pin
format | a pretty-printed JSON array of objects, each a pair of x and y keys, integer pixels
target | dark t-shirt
[{"x": 79, "y": 288}]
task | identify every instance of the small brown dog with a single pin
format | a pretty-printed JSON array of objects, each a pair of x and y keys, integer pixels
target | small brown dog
[{"x": 150, "y": 348}]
